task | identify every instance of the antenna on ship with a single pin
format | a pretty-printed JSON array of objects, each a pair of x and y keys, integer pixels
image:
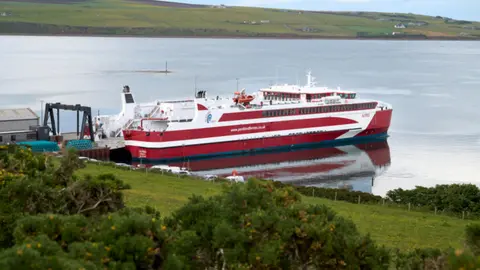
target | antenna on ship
[
  {"x": 276, "y": 75},
  {"x": 195, "y": 86},
  {"x": 310, "y": 79}
]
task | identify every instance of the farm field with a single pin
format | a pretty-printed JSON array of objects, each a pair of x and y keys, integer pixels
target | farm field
[{"x": 165, "y": 19}]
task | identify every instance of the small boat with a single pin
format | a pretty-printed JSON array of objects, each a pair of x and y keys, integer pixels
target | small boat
[{"x": 241, "y": 97}]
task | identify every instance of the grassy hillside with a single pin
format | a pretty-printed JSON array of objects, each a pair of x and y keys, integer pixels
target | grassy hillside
[
  {"x": 391, "y": 227},
  {"x": 160, "y": 18}
]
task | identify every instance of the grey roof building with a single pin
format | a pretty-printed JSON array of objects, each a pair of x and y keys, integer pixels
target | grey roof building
[{"x": 16, "y": 125}]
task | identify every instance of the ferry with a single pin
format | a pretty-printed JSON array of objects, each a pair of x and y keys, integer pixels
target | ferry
[{"x": 279, "y": 116}]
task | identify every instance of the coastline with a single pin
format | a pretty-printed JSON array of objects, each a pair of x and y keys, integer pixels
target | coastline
[{"x": 258, "y": 37}]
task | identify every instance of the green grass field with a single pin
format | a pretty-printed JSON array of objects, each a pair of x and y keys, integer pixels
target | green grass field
[
  {"x": 395, "y": 228},
  {"x": 117, "y": 17}
]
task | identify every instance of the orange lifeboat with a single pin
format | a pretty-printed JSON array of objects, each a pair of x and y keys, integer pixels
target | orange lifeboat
[{"x": 242, "y": 98}]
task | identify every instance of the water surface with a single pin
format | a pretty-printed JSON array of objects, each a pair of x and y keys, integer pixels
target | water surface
[{"x": 432, "y": 85}]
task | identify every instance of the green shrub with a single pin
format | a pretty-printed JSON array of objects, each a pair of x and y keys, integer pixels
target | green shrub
[
  {"x": 128, "y": 239},
  {"x": 259, "y": 226},
  {"x": 472, "y": 235},
  {"x": 36, "y": 186},
  {"x": 455, "y": 198}
]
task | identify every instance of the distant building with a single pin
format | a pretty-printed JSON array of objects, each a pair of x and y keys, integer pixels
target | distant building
[
  {"x": 17, "y": 125},
  {"x": 400, "y": 26},
  {"x": 265, "y": 21}
]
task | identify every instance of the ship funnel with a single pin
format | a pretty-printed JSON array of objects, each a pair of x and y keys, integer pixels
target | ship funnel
[
  {"x": 127, "y": 95},
  {"x": 128, "y": 105}
]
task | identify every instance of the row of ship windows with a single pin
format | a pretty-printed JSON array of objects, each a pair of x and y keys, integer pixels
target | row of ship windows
[
  {"x": 273, "y": 95},
  {"x": 288, "y": 96},
  {"x": 341, "y": 95},
  {"x": 323, "y": 109}
]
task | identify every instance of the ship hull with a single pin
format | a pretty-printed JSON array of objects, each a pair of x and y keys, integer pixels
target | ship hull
[{"x": 377, "y": 128}]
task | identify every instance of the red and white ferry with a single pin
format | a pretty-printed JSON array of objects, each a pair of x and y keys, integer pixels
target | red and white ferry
[{"x": 278, "y": 116}]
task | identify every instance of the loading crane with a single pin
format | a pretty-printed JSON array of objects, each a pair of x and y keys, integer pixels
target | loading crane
[{"x": 86, "y": 119}]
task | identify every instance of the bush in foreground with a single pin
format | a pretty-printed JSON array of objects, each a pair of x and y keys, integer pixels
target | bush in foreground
[
  {"x": 51, "y": 219},
  {"x": 259, "y": 227},
  {"x": 252, "y": 226},
  {"x": 31, "y": 185}
]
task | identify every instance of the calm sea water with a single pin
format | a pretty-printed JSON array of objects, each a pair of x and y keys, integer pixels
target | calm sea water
[{"x": 433, "y": 86}]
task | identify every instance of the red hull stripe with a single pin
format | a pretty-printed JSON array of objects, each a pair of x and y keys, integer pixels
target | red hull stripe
[
  {"x": 203, "y": 133},
  {"x": 231, "y": 146}
]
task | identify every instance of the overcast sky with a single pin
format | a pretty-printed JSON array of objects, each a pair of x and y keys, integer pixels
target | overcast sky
[{"x": 457, "y": 9}]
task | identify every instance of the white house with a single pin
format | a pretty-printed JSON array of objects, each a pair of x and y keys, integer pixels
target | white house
[{"x": 400, "y": 26}]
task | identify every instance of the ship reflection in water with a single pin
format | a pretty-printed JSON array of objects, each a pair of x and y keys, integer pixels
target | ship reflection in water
[{"x": 346, "y": 166}]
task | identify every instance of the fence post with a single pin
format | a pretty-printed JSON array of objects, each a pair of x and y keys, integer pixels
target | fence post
[
  {"x": 408, "y": 206},
  {"x": 463, "y": 214},
  {"x": 435, "y": 210},
  {"x": 383, "y": 199},
  {"x": 313, "y": 192},
  {"x": 358, "y": 199},
  {"x": 335, "y": 195}
]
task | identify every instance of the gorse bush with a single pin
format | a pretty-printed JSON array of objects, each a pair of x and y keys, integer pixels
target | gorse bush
[
  {"x": 124, "y": 240},
  {"x": 52, "y": 219},
  {"x": 31, "y": 185},
  {"x": 258, "y": 226},
  {"x": 250, "y": 227}
]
